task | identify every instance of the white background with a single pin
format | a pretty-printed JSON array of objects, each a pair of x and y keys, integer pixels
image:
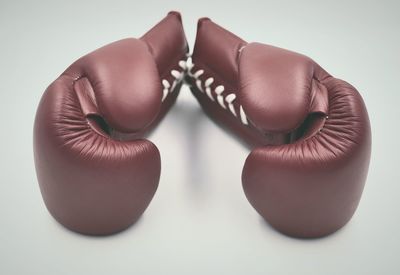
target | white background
[{"x": 199, "y": 221}]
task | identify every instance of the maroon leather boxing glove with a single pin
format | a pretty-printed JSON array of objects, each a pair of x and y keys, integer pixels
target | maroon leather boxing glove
[
  {"x": 309, "y": 131},
  {"x": 96, "y": 172}
]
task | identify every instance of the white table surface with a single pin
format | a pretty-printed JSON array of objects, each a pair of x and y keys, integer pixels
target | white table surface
[{"x": 199, "y": 221}]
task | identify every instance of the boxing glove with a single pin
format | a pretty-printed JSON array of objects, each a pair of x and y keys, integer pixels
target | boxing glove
[
  {"x": 309, "y": 132},
  {"x": 96, "y": 171}
]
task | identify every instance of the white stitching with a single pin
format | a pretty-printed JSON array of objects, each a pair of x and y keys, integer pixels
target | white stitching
[
  {"x": 230, "y": 98},
  {"x": 178, "y": 78},
  {"x": 207, "y": 84},
  {"x": 209, "y": 81},
  {"x": 189, "y": 65},
  {"x": 182, "y": 64},
  {"x": 175, "y": 74},
  {"x": 178, "y": 75},
  {"x": 218, "y": 90},
  {"x": 166, "y": 85},
  {"x": 243, "y": 117},
  {"x": 208, "y": 92},
  {"x": 198, "y": 73},
  {"x": 198, "y": 84}
]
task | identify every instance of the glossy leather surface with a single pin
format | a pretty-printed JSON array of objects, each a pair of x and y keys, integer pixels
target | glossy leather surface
[
  {"x": 96, "y": 171},
  {"x": 279, "y": 88},
  {"x": 309, "y": 132}
]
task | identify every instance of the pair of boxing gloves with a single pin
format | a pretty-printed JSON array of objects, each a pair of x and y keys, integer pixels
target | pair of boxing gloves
[{"x": 309, "y": 132}]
